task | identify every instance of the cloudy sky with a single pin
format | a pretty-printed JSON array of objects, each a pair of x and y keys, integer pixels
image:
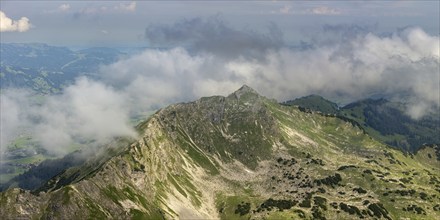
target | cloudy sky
[
  {"x": 123, "y": 24},
  {"x": 342, "y": 50}
]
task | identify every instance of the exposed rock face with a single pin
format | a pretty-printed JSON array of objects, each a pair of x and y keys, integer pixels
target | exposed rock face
[{"x": 240, "y": 156}]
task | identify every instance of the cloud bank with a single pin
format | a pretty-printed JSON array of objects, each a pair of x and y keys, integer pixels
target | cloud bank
[
  {"x": 9, "y": 25},
  {"x": 402, "y": 66},
  {"x": 351, "y": 63},
  {"x": 86, "y": 112}
]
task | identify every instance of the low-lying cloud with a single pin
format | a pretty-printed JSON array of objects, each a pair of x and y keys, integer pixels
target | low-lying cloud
[
  {"x": 87, "y": 112},
  {"x": 402, "y": 66}
]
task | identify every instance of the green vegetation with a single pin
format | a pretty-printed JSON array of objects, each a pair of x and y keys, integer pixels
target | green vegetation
[
  {"x": 384, "y": 120},
  {"x": 234, "y": 207},
  {"x": 388, "y": 122},
  {"x": 315, "y": 103}
]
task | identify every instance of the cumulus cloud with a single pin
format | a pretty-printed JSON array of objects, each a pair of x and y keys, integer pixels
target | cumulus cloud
[
  {"x": 9, "y": 25},
  {"x": 156, "y": 78},
  {"x": 213, "y": 35}
]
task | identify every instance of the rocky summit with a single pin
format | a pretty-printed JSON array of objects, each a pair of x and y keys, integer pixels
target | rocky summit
[{"x": 240, "y": 157}]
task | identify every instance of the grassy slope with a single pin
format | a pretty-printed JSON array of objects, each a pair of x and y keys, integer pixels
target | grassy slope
[
  {"x": 344, "y": 145},
  {"x": 384, "y": 120},
  {"x": 316, "y": 103},
  {"x": 388, "y": 123}
]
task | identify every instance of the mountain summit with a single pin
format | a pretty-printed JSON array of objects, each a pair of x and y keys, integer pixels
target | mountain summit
[
  {"x": 245, "y": 90},
  {"x": 241, "y": 156}
]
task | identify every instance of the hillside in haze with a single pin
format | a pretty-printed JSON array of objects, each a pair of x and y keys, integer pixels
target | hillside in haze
[
  {"x": 47, "y": 69},
  {"x": 241, "y": 156}
]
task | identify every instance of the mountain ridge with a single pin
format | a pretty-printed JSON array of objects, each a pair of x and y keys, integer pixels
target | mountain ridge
[
  {"x": 240, "y": 157},
  {"x": 384, "y": 120}
]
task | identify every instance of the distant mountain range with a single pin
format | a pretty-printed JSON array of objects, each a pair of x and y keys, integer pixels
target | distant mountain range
[{"x": 237, "y": 157}]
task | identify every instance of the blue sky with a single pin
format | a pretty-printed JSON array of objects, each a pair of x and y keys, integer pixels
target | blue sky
[{"x": 123, "y": 23}]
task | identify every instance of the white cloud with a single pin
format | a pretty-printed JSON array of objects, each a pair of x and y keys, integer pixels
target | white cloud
[
  {"x": 96, "y": 10},
  {"x": 126, "y": 6},
  {"x": 323, "y": 10},
  {"x": 285, "y": 10},
  {"x": 64, "y": 7},
  {"x": 9, "y": 25}
]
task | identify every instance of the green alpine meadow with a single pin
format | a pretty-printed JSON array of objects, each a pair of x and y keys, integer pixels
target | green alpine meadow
[{"x": 243, "y": 156}]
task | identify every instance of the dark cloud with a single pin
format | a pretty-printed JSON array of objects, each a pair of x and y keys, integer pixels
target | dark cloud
[
  {"x": 349, "y": 30},
  {"x": 338, "y": 34},
  {"x": 213, "y": 35}
]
